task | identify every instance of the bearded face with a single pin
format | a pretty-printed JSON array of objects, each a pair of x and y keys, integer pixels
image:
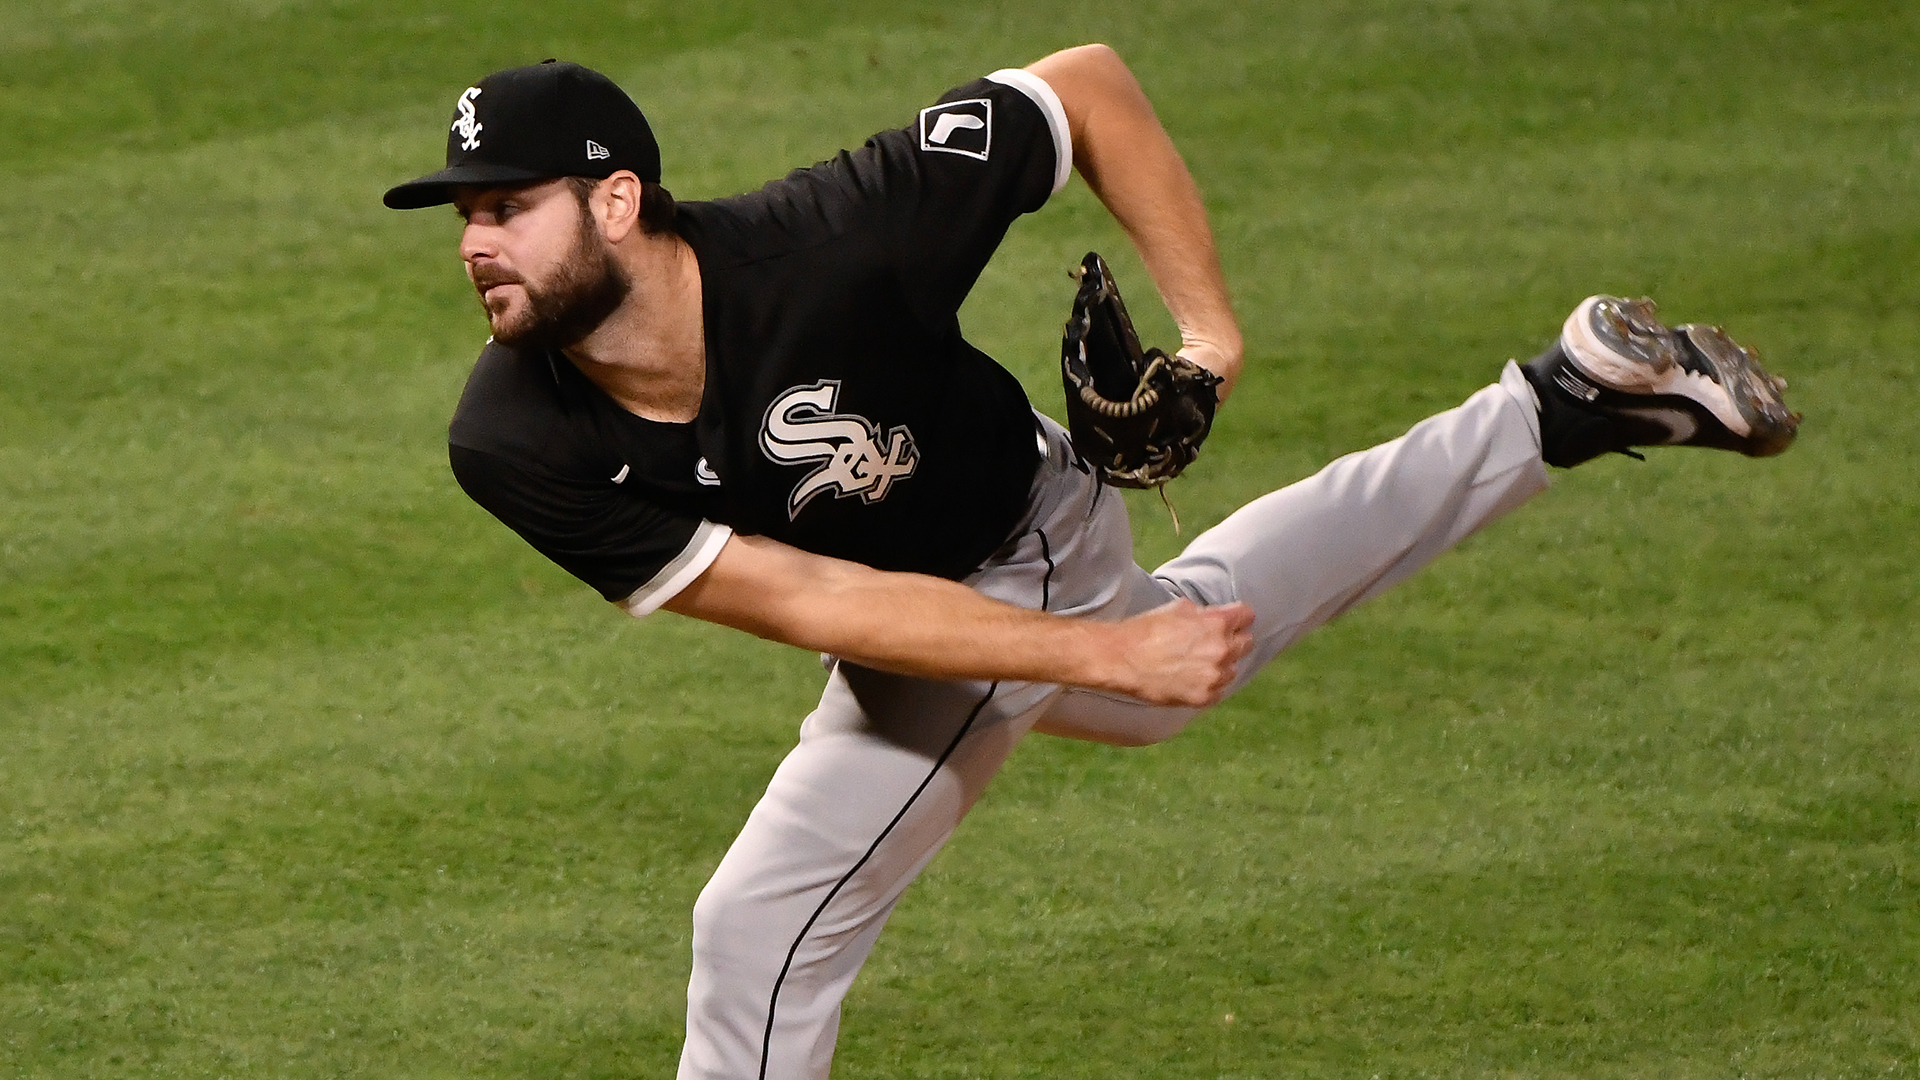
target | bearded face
[{"x": 565, "y": 301}]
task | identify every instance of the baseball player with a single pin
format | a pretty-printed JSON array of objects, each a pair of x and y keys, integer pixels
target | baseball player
[{"x": 761, "y": 411}]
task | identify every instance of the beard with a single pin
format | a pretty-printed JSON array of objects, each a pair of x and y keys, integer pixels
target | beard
[{"x": 589, "y": 285}]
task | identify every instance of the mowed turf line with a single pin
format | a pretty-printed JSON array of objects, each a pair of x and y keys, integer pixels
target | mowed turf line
[{"x": 310, "y": 769}]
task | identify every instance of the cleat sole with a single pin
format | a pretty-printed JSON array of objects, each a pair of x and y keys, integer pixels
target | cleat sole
[
  {"x": 1622, "y": 345},
  {"x": 1771, "y": 426}
]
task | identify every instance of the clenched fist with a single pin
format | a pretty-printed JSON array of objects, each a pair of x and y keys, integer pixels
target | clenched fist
[{"x": 1180, "y": 654}]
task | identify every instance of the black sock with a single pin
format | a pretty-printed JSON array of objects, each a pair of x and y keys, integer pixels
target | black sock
[{"x": 1573, "y": 430}]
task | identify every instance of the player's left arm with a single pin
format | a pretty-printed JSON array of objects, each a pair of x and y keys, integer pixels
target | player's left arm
[{"x": 1128, "y": 160}]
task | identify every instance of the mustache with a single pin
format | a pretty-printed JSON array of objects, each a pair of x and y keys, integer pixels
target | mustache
[{"x": 487, "y": 275}]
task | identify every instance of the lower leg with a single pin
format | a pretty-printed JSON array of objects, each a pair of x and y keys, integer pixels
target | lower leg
[
  {"x": 1304, "y": 554},
  {"x": 850, "y": 818}
]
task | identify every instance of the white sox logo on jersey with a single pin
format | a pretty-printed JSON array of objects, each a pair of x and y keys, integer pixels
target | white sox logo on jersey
[
  {"x": 467, "y": 125},
  {"x": 855, "y": 458}
]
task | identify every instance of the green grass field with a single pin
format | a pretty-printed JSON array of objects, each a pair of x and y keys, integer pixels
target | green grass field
[{"x": 310, "y": 769}]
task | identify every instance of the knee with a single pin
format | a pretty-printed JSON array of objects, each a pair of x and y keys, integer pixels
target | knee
[
  {"x": 726, "y": 995},
  {"x": 1116, "y": 723},
  {"x": 1164, "y": 724},
  {"x": 727, "y": 925},
  {"x": 1198, "y": 576}
]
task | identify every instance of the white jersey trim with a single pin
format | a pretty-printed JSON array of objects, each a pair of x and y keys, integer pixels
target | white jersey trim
[
  {"x": 1036, "y": 88},
  {"x": 692, "y": 561}
]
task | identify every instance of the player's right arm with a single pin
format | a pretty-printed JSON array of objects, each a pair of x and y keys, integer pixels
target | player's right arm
[
  {"x": 641, "y": 557},
  {"x": 912, "y": 624}
]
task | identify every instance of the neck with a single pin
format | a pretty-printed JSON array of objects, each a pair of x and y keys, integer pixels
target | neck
[{"x": 650, "y": 354}]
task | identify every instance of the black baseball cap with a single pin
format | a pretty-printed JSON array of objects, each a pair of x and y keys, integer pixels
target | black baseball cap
[{"x": 536, "y": 123}]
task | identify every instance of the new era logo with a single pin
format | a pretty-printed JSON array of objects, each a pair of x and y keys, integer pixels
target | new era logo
[
  {"x": 958, "y": 127},
  {"x": 596, "y": 152}
]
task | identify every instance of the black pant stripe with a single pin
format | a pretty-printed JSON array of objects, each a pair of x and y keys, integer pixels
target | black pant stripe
[
  {"x": 773, "y": 1002},
  {"x": 766, "y": 1041},
  {"x": 1046, "y": 583}
]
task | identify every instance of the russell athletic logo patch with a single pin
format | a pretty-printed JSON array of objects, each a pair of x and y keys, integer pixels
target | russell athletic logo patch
[
  {"x": 958, "y": 127},
  {"x": 467, "y": 125},
  {"x": 854, "y": 456}
]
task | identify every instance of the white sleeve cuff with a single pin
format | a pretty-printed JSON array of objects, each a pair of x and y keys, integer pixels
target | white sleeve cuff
[
  {"x": 1042, "y": 95},
  {"x": 692, "y": 561}
]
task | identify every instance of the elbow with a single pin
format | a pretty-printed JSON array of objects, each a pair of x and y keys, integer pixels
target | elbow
[
  {"x": 1092, "y": 83},
  {"x": 1095, "y": 64},
  {"x": 1094, "y": 54}
]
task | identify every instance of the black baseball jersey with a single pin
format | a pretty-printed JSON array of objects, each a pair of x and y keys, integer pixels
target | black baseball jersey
[{"x": 843, "y": 412}]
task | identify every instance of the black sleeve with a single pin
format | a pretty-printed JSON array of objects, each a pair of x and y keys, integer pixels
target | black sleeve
[
  {"x": 925, "y": 204},
  {"x": 960, "y": 174},
  {"x": 629, "y": 549},
  {"x": 937, "y": 196}
]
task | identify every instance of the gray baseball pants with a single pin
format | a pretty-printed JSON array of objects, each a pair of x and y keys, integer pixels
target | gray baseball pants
[{"x": 887, "y": 765}]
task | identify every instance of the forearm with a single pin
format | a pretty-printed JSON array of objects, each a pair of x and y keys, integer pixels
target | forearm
[
  {"x": 937, "y": 629},
  {"x": 912, "y": 624},
  {"x": 1131, "y": 165}
]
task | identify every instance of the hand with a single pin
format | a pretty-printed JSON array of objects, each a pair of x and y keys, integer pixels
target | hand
[{"x": 1182, "y": 653}]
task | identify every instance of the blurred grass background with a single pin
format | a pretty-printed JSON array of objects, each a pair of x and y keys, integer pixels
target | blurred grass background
[{"x": 308, "y": 768}]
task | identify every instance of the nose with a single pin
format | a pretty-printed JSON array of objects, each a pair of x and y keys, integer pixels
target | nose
[{"x": 478, "y": 242}]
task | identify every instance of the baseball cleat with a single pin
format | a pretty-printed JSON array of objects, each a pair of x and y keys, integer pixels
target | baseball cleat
[{"x": 1619, "y": 378}]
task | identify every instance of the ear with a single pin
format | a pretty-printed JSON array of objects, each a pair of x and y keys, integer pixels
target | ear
[{"x": 616, "y": 204}]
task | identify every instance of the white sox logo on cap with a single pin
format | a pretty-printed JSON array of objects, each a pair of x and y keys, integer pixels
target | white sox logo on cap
[
  {"x": 855, "y": 458},
  {"x": 543, "y": 121},
  {"x": 958, "y": 127},
  {"x": 467, "y": 125}
]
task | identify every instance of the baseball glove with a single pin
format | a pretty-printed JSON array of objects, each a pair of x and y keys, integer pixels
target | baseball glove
[{"x": 1137, "y": 416}]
